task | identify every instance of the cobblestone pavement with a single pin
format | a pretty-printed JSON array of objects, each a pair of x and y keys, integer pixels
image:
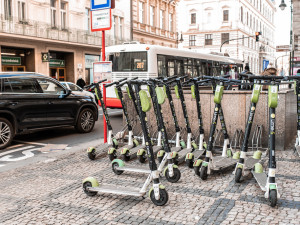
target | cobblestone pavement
[{"x": 51, "y": 193}]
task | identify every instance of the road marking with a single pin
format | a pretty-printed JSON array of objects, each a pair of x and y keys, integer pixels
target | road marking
[
  {"x": 32, "y": 143},
  {"x": 16, "y": 150},
  {"x": 27, "y": 153}
]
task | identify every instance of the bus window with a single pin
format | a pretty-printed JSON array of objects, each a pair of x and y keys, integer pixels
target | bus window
[
  {"x": 161, "y": 66},
  {"x": 129, "y": 61},
  {"x": 179, "y": 67},
  {"x": 171, "y": 68},
  {"x": 195, "y": 71}
]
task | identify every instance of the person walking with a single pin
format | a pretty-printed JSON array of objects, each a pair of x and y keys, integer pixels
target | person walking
[
  {"x": 80, "y": 82},
  {"x": 246, "y": 71}
]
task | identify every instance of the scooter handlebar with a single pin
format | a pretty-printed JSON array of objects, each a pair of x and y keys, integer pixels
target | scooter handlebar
[
  {"x": 271, "y": 77},
  {"x": 101, "y": 81},
  {"x": 116, "y": 82}
]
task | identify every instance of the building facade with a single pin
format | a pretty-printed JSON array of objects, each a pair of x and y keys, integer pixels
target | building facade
[
  {"x": 296, "y": 32},
  {"x": 154, "y": 22},
  {"x": 53, "y": 37},
  {"x": 206, "y": 25}
]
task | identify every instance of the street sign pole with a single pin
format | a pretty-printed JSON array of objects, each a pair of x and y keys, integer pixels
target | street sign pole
[{"x": 104, "y": 89}]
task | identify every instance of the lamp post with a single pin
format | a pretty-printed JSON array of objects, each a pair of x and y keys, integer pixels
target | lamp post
[
  {"x": 282, "y": 7},
  {"x": 179, "y": 40}
]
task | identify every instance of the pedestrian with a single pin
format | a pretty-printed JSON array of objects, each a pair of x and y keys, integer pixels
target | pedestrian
[
  {"x": 245, "y": 71},
  {"x": 80, "y": 82}
]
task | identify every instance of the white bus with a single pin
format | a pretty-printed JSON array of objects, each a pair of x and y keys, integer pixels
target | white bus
[{"x": 150, "y": 61}]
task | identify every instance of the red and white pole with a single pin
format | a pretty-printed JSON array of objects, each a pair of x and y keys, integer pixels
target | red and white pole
[{"x": 104, "y": 89}]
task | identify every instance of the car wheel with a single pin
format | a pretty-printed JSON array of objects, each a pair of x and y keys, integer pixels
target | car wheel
[
  {"x": 86, "y": 121},
  {"x": 6, "y": 133}
]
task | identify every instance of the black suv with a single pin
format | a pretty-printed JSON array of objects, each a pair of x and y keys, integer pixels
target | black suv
[{"x": 30, "y": 101}]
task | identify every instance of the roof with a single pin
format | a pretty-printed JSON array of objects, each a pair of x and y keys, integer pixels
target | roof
[{"x": 21, "y": 74}]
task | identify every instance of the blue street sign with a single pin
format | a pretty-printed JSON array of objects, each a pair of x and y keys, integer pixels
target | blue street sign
[
  {"x": 100, "y": 4},
  {"x": 265, "y": 64}
]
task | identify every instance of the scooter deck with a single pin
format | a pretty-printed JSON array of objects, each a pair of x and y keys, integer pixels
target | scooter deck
[
  {"x": 117, "y": 190},
  {"x": 198, "y": 153},
  {"x": 261, "y": 179},
  {"x": 220, "y": 162},
  {"x": 182, "y": 154},
  {"x": 156, "y": 149},
  {"x": 102, "y": 149},
  {"x": 133, "y": 151},
  {"x": 138, "y": 169},
  {"x": 250, "y": 162},
  {"x": 175, "y": 149}
]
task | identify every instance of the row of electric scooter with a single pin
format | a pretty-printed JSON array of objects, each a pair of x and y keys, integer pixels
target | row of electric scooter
[{"x": 203, "y": 158}]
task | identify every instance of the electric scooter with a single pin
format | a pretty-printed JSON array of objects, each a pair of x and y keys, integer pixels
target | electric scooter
[
  {"x": 171, "y": 172},
  {"x": 267, "y": 181},
  {"x": 297, "y": 93},
  {"x": 111, "y": 141},
  {"x": 179, "y": 157},
  {"x": 245, "y": 164},
  {"x": 158, "y": 194},
  {"x": 132, "y": 142},
  {"x": 216, "y": 163}
]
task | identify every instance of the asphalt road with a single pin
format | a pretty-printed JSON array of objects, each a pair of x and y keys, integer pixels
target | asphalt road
[{"x": 36, "y": 144}]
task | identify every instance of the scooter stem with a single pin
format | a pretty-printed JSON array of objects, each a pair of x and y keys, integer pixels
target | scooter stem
[{"x": 177, "y": 139}]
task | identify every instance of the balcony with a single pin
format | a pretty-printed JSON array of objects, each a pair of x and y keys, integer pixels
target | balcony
[{"x": 42, "y": 30}]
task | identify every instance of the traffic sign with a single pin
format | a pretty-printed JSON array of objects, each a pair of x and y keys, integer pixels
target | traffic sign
[
  {"x": 265, "y": 64},
  {"x": 283, "y": 48},
  {"x": 100, "y": 4},
  {"x": 101, "y": 20}
]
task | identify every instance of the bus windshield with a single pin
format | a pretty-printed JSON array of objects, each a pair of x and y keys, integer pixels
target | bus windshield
[{"x": 129, "y": 61}]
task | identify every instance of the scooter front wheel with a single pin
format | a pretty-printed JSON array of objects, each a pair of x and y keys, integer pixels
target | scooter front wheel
[
  {"x": 176, "y": 175},
  {"x": 142, "y": 158},
  {"x": 92, "y": 154},
  {"x": 273, "y": 198},
  {"x": 126, "y": 156},
  {"x": 203, "y": 172},
  {"x": 164, "y": 197},
  {"x": 189, "y": 163},
  {"x": 112, "y": 156},
  {"x": 197, "y": 170},
  {"x": 115, "y": 167},
  {"x": 238, "y": 175},
  {"x": 86, "y": 191}
]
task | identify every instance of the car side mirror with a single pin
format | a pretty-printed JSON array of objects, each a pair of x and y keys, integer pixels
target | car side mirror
[{"x": 65, "y": 93}]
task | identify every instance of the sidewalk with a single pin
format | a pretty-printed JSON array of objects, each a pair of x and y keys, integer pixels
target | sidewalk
[{"x": 50, "y": 192}]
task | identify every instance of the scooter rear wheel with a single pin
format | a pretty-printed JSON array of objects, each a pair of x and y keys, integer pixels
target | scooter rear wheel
[
  {"x": 92, "y": 154},
  {"x": 164, "y": 197},
  {"x": 87, "y": 192},
  {"x": 126, "y": 156},
  {"x": 238, "y": 175},
  {"x": 115, "y": 167},
  {"x": 176, "y": 160},
  {"x": 189, "y": 163},
  {"x": 203, "y": 172},
  {"x": 142, "y": 158},
  {"x": 176, "y": 175},
  {"x": 273, "y": 198},
  {"x": 197, "y": 170}
]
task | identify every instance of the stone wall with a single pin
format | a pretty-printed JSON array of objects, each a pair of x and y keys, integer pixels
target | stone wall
[{"x": 235, "y": 105}]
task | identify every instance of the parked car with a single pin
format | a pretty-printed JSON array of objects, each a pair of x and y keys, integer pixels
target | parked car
[
  {"x": 77, "y": 90},
  {"x": 31, "y": 101}
]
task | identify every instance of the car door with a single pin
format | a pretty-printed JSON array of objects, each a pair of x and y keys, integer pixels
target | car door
[
  {"x": 61, "y": 110},
  {"x": 23, "y": 98}
]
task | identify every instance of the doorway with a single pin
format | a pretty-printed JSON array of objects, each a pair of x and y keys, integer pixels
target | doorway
[{"x": 58, "y": 73}]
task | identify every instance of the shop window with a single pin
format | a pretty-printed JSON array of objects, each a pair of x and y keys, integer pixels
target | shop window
[
  {"x": 21, "y": 11},
  {"x": 192, "y": 40},
  {"x": 53, "y": 13},
  {"x": 208, "y": 39},
  {"x": 8, "y": 9}
]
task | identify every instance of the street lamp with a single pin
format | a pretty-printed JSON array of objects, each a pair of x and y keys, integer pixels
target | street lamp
[{"x": 282, "y": 7}]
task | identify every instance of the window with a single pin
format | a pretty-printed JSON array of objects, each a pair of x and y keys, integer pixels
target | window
[
  {"x": 225, "y": 37},
  {"x": 74, "y": 87},
  {"x": 152, "y": 15},
  {"x": 21, "y": 11},
  {"x": 193, "y": 18},
  {"x": 208, "y": 39},
  {"x": 242, "y": 14},
  {"x": 121, "y": 28},
  {"x": 115, "y": 27},
  {"x": 7, "y": 9},
  {"x": 63, "y": 15},
  {"x": 192, "y": 40},
  {"x": 23, "y": 85},
  {"x": 170, "y": 22},
  {"x": 87, "y": 19},
  {"x": 225, "y": 15},
  {"x": 161, "y": 66},
  {"x": 53, "y": 13},
  {"x": 49, "y": 87},
  {"x": 162, "y": 20},
  {"x": 141, "y": 12},
  {"x": 129, "y": 61}
]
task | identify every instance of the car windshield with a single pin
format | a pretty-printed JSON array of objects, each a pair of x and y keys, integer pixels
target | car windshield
[{"x": 74, "y": 87}]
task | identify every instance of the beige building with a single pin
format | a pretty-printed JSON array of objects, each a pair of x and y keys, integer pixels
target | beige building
[
  {"x": 53, "y": 37},
  {"x": 154, "y": 22}
]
